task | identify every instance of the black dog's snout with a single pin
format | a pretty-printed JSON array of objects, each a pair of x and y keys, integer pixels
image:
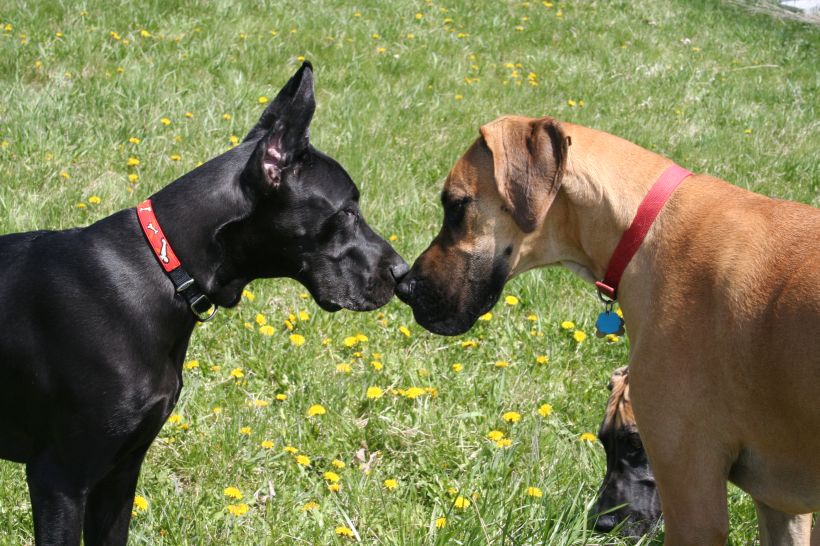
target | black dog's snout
[{"x": 399, "y": 271}]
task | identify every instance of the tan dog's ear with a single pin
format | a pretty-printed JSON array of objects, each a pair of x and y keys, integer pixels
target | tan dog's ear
[{"x": 529, "y": 158}]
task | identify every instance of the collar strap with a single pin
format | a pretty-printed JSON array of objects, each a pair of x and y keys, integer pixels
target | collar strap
[
  {"x": 184, "y": 284},
  {"x": 632, "y": 238}
]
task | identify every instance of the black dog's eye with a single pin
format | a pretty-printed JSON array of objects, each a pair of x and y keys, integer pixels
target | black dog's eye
[{"x": 349, "y": 215}]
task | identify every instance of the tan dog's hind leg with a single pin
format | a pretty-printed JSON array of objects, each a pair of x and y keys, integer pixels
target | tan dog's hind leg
[{"x": 781, "y": 529}]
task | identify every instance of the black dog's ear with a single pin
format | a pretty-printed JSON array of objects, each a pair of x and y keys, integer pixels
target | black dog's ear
[
  {"x": 298, "y": 88},
  {"x": 289, "y": 133}
]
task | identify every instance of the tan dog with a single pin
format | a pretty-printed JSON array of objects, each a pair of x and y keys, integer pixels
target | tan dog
[{"x": 721, "y": 302}]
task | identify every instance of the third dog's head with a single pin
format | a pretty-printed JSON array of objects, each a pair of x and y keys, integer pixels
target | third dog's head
[{"x": 628, "y": 495}]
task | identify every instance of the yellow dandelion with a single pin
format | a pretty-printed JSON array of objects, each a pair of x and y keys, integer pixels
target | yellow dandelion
[
  {"x": 232, "y": 492},
  {"x": 260, "y": 319},
  {"x": 440, "y": 523},
  {"x": 413, "y": 392},
  {"x": 511, "y": 300},
  {"x": 390, "y": 484},
  {"x": 133, "y": 178},
  {"x": 393, "y": 237},
  {"x": 461, "y": 503},
  {"x": 216, "y": 368},
  {"x": 245, "y": 431},
  {"x": 262, "y": 100},
  {"x": 502, "y": 364},
  {"x": 165, "y": 121},
  {"x": 261, "y": 403},
  {"x": 281, "y": 397},
  {"x": 542, "y": 359},
  {"x": 344, "y": 367},
  {"x": 587, "y": 437},
  {"x": 568, "y": 325},
  {"x": 375, "y": 36},
  {"x": 579, "y": 336},
  {"x": 495, "y": 435},
  {"x": 174, "y": 418},
  {"x": 266, "y": 444},
  {"x": 140, "y": 503},
  {"x": 217, "y": 410},
  {"x": 534, "y": 492},
  {"x": 237, "y": 509},
  {"x": 532, "y": 318},
  {"x": 458, "y": 96},
  {"x": 227, "y": 117},
  {"x": 486, "y": 316},
  {"x": 267, "y": 330},
  {"x": 337, "y": 463},
  {"x": 350, "y": 341},
  {"x": 289, "y": 324},
  {"x": 316, "y": 409},
  {"x": 304, "y": 315},
  {"x": 469, "y": 344},
  {"x": 303, "y": 460},
  {"x": 290, "y": 449},
  {"x": 308, "y": 506},
  {"x": 331, "y": 476},
  {"x": 237, "y": 373},
  {"x": 374, "y": 392},
  {"x": 192, "y": 364},
  {"x": 132, "y": 162},
  {"x": 334, "y": 487},
  {"x": 145, "y": 34},
  {"x": 297, "y": 339},
  {"x": 175, "y": 157},
  {"x": 457, "y": 367},
  {"x": 134, "y": 140},
  {"x": 376, "y": 365},
  {"x": 503, "y": 443},
  {"x": 64, "y": 175},
  {"x": 189, "y": 115},
  {"x": 544, "y": 410},
  {"x": 419, "y": 16},
  {"x": 404, "y": 331},
  {"x": 511, "y": 417},
  {"x": 94, "y": 200},
  {"x": 343, "y": 531}
]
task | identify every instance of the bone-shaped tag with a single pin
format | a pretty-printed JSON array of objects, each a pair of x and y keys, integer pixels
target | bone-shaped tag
[{"x": 163, "y": 253}]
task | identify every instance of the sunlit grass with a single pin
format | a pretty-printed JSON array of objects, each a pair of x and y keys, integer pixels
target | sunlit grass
[{"x": 402, "y": 88}]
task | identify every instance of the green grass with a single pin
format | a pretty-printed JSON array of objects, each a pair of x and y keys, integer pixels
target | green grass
[{"x": 716, "y": 87}]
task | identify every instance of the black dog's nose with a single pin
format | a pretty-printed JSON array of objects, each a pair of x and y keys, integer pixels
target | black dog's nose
[
  {"x": 605, "y": 523},
  {"x": 399, "y": 271}
]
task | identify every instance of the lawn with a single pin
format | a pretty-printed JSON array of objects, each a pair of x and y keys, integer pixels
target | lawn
[{"x": 103, "y": 103}]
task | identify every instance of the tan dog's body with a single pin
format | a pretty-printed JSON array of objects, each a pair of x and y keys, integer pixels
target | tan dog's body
[{"x": 721, "y": 303}]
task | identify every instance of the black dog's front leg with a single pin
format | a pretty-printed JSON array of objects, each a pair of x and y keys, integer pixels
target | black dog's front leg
[
  {"x": 110, "y": 502},
  {"x": 57, "y": 504}
]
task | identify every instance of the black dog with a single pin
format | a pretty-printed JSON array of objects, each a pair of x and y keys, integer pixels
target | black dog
[
  {"x": 93, "y": 332},
  {"x": 628, "y": 497}
]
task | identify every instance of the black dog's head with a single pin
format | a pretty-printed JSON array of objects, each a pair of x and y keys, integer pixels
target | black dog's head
[
  {"x": 628, "y": 496},
  {"x": 282, "y": 208}
]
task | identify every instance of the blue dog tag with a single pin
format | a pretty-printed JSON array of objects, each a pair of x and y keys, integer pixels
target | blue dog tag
[{"x": 609, "y": 323}]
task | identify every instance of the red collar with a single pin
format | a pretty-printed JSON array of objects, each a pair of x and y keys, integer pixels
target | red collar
[
  {"x": 183, "y": 282},
  {"x": 632, "y": 238},
  {"x": 156, "y": 238}
]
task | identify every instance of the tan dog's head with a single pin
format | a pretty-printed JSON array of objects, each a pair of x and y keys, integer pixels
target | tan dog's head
[{"x": 498, "y": 192}]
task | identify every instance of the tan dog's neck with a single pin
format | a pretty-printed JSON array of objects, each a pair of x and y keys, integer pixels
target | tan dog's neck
[{"x": 605, "y": 180}]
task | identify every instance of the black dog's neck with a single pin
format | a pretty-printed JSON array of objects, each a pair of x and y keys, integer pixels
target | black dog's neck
[{"x": 193, "y": 211}]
